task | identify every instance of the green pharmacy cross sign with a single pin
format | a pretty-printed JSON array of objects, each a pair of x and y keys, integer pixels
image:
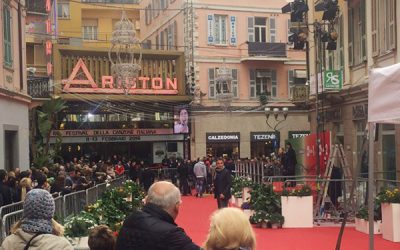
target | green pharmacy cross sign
[{"x": 333, "y": 80}]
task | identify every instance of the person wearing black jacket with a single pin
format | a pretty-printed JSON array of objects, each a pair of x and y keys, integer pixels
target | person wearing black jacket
[
  {"x": 153, "y": 227},
  {"x": 5, "y": 191},
  {"x": 222, "y": 184}
]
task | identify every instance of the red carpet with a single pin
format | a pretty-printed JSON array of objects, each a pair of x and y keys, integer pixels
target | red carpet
[{"x": 194, "y": 219}]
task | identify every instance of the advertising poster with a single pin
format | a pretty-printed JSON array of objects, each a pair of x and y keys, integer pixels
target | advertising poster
[{"x": 181, "y": 119}]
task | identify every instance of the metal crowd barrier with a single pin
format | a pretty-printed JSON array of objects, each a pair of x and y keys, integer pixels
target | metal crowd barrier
[
  {"x": 65, "y": 205},
  {"x": 8, "y": 221}
]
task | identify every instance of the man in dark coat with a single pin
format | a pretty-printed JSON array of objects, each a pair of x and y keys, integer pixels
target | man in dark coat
[
  {"x": 5, "y": 191},
  {"x": 222, "y": 184},
  {"x": 153, "y": 227}
]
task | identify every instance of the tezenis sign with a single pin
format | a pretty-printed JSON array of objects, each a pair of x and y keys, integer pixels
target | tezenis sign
[{"x": 140, "y": 85}]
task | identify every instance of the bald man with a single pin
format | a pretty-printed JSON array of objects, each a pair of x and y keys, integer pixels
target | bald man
[{"x": 153, "y": 227}]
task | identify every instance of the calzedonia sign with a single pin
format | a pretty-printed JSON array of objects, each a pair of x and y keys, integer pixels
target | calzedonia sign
[
  {"x": 139, "y": 85},
  {"x": 223, "y": 137}
]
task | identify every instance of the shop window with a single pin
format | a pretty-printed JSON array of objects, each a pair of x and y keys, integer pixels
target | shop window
[{"x": 388, "y": 152}]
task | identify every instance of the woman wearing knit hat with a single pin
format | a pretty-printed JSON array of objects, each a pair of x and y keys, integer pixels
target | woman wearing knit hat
[{"x": 37, "y": 229}]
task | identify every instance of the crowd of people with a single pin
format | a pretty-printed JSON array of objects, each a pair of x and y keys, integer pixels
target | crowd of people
[{"x": 151, "y": 228}]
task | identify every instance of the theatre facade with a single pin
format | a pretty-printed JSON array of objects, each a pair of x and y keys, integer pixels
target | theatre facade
[{"x": 105, "y": 118}]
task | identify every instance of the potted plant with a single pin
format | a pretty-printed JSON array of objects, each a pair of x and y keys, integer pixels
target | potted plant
[
  {"x": 362, "y": 223},
  {"x": 238, "y": 185},
  {"x": 265, "y": 202},
  {"x": 297, "y": 207},
  {"x": 77, "y": 228},
  {"x": 390, "y": 206},
  {"x": 276, "y": 220}
]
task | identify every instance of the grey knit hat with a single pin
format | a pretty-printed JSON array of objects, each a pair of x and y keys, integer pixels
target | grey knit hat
[{"x": 38, "y": 211}]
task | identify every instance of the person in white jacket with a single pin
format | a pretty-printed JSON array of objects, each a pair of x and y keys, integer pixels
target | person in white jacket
[
  {"x": 200, "y": 171},
  {"x": 37, "y": 230}
]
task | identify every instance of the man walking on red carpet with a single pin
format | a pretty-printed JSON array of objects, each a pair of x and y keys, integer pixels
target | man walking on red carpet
[{"x": 222, "y": 184}]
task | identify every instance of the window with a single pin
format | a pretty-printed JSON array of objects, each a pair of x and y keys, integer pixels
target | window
[
  {"x": 212, "y": 88},
  {"x": 7, "y": 36},
  {"x": 260, "y": 29},
  {"x": 263, "y": 81},
  {"x": 220, "y": 29},
  {"x": 388, "y": 152},
  {"x": 89, "y": 29},
  {"x": 357, "y": 34},
  {"x": 63, "y": 10},
  {"x": 170, "y": 40},
  {"x": 389, "y": 25}
]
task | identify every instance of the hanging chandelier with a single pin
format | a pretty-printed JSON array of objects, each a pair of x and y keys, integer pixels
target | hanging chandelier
[
  {"x": 224, "y": 87},
  {"x": 124, "y": 66}
]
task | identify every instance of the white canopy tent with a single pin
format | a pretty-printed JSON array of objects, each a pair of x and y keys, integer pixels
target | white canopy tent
[{"x": 383, "y": 107}]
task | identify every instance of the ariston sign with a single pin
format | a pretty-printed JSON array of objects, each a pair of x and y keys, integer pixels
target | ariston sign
[{"x": 140, "y": 85}]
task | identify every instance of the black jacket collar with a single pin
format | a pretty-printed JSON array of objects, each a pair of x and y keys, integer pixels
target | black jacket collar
[{"x": 156, "y": 211}]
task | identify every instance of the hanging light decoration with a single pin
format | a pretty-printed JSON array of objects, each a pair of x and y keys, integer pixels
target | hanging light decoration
[
  {"x": 124, "y": 66},
  {"x": 224, "y": 87}
]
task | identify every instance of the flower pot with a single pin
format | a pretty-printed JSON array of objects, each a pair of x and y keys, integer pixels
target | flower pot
[
  {"x": 275, "y": 225},
  {"x": 363, "y": 226},
  {"x": 239, "y": 202},
  {"x": 248, "y": 212},
  {"x": 246, "y": 194},
  {"x": 264, "y": 224},
  {"x": 298, "y": 211},
  {"x": 391, "y": 221},
  {"x": 80, "y": 243}
]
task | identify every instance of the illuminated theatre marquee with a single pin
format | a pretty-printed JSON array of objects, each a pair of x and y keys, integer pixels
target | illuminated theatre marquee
[{"x": 140, "y": 85}]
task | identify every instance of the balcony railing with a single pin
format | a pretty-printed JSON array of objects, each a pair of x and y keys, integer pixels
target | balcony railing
[
  {"x": 36, "y": 6},
  {"x": 112, "y": 1},
  {"x": 267, "y": 49},
  {"x": 39, "y": 87}
]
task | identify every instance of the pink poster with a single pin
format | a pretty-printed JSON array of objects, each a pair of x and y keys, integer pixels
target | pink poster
[{"x": 310, "y": 152}]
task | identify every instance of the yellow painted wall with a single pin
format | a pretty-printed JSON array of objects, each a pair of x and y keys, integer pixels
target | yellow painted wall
[{"x": 105, "y": 15}]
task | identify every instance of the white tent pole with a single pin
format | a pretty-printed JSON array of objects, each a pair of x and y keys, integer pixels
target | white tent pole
[{"x": 371, "y": 186}]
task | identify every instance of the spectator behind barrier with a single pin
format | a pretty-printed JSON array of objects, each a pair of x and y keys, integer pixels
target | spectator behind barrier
[
  {"x": 101, "y": 238},
  {"x": 37, "y": 229},
  {"x": 230, "y": 229}
]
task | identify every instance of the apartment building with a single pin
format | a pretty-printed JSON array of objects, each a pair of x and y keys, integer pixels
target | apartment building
[
  {"x": 14, "y": 100},
  {"x": 250, "y": 39},
  {"x": 368, "y": 37}
]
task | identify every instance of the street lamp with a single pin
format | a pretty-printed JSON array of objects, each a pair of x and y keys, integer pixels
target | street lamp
[{"x": 280, "y": 116}]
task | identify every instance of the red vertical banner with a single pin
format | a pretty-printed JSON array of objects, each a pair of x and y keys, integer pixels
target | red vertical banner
[{"x": 310, "y": 152}]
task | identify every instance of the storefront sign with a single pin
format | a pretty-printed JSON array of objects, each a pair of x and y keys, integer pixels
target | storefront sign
[
  {"x": 110, "y": 132},
  {"x": 139, "y": 85},
  {"x": 263, "y": 136},
  {"x": 118, "y": 138},
  {"x": 223, "y": 137},
  {"x": 298, "y": 134},
  {"x": 300, "y": 93},
  {"x": 333, "y": 79},
  {"x": 360, "y": 112}
]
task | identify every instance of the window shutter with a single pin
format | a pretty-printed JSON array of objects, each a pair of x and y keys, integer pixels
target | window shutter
[
  {"x": 272, "y": 30},
  {"x": 252, "y": 83},
  {"x": 363, "y": 51},
  {"x": 235, "y": 83},
  {"x": 175, "y": 35},
  {"x": 351, "y": 38},
  {"x": 250, "y": 28},
  {"x": 289, "y": 24},
  {"x": 374, "y": 28},
  {"x": 233, "y": 31},
  {"x": 274, "y": 88},
  {"x": 392, "y": 26},
  {"x": 290, "y": 82},
  {"x": 210, "y": 28},
  {"x": 211, "y": 83}
]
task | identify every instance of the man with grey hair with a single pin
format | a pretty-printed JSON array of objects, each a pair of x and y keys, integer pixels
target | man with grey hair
[{"x": 153, "y": 227}]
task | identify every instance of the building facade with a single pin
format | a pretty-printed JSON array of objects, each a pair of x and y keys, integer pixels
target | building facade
[
  {"x": 14, "y": 100},
  {"x": 251, "y": 41},
  {"x": 367, "y": 38}
]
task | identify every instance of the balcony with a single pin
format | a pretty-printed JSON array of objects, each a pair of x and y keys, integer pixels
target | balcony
[
  {"x": 257, "y": 49},
  {"x": 36, "y": 7},
  {"x": 39, "y": 87},
  {"x": 112, "y": 1}
]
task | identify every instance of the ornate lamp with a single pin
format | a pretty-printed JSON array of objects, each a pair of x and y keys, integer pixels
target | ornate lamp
[
  {"x": 124, "y": 66},
  {"x": 276, "y": 112},
  {"x": 224, "y": 87}
]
